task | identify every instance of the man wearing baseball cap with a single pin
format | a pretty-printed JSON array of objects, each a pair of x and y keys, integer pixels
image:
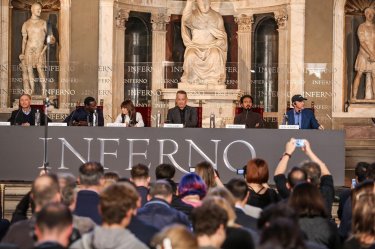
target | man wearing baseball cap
[{"x": 305, "y": 118}]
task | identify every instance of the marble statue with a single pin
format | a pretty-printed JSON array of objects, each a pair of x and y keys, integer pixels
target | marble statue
[
  {"x": 365, "y": 62},
  {"x": 34, "y": 32},
  {"x": 205, "y": 39}
]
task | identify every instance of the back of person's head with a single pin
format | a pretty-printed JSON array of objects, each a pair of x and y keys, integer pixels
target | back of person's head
[
  {"x": 307, "y": 200},
  {"x": 139, "y": 171},
  {"x": 361, "y": 171},
  {"x": 45, "y": 189},
  {"x": 371, "y": 172},
  {"x": 91, "y": 174},
  {"x": 165, "y": 171},
  {"x": 88, "y": 100},
  {"x": 257, "y": 171},
  {"x": 110, "y": 178},
  {"x": 54, "y": 218},
  {"x": 275, "y": 211},
  {"x": 161, "y": 188},
  {"x": 176, "y": 237},
  {"x": 207, "y": 172},
  {"x": 295, "y": 176},
  {"x": 68, "y": 195},
  {"x": 313, "y": 172},
  {"x": 116, "y": 201},
  {"x": 282, "y": 232},
  {"x": 192, "y": 184},
  {"x": 66, "y": 179},
  {"x": 208, "y": 218},
  {"x": 363, "y": 219},
  {"x": 239, "y": 189},
  {"x": 366, "y": 186},
  {"x": 223, "y": 193},
  {"x": 224, "y": 204}
]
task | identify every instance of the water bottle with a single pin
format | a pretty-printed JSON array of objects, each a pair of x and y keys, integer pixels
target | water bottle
[
  {"x": 95, "y": 118},
  {"x": 37, "y": 118},
  {"x": 354, "y": 183},
  {"x": 285, "y": 121},
  {"x": 158, "y": 119},
  {"x": 212, "y": 120}
]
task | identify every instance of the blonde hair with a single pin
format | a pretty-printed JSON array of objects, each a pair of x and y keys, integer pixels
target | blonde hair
[
  {"x": 176, "y": 236},
  {"x": 224, "y": 204}
]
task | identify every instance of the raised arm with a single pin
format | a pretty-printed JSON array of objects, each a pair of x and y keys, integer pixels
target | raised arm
[
  {"x": 283, "y": 164},
  {"x": 307, "y": 149}
]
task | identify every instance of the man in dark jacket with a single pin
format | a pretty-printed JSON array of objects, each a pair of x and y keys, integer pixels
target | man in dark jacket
[
  {"x": 158, "y": 211},
  {"x": 91, "y": 179},
  {"x": 182, "y": 113},
  {"x": 247, "y": 116}
]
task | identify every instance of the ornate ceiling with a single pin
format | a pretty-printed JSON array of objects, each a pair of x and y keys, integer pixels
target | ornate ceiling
[
  {"x": 356, "y": 7},
  {"x": 48, "y": 5}
]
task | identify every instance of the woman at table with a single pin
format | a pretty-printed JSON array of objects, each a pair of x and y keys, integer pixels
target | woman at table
[{"x": 129, "y": 116}]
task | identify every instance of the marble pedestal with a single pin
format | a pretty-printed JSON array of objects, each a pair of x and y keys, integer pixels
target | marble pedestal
[{"x": 222, "y": 103}]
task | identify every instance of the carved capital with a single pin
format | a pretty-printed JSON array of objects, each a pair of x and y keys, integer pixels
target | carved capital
[
  {"x": 159, "y": 21},
  {"x": 121, "y": 18},
  {"x": 244, "y": 23},
  {"x": 281, "y": 17}
]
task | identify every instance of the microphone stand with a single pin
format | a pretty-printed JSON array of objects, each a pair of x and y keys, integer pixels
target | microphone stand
[{"x": 47, "y": 102}]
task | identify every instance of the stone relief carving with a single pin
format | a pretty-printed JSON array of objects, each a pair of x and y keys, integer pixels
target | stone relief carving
[
  {"x": 121, "y": 18},
  {"x": 46, "y": 4},
  {"x": 244, "y": 22},
  {"x": 281, "y": 17},
  {"x": 159, "y": 21}
]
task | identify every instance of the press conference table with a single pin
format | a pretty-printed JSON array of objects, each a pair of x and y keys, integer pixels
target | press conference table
[{"x": 118, "y": 148}]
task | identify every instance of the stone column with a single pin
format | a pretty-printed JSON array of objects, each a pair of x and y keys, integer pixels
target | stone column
[
  {"x": 64, "y": 60},
  {"x": 119, "y": 59},
  {"x": 4, "y": 48},
  {"x": 283, "y": 84},
  {"x": 297, "y": 46},
  {"x": 105, "y": 71},
  {"x": 159, "y": 38},
  {"x": 245, "y": 23}
]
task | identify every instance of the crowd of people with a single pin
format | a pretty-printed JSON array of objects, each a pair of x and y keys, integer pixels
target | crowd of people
[{"x": 105, "y": 210}]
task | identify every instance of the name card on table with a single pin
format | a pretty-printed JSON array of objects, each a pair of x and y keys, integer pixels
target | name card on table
[
  {"x": 4, "y": 123},
  {"x": 173, "y": 126},
  {"x": 235, "y": 126},
  {"x": 289, "y": 127},
  {"x": 58, "y": 124},
  {"x": 116, "y": 124}
]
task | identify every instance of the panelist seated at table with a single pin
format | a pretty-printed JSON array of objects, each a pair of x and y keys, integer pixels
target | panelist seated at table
[
  {"x": 25, "y": 115},
  {"x": 129, "y": 116},
  {"x": 182, "y": 113},
  {"x": 84, "y": 116},
  {"x": 247, "y": 117},
  {"x": 298, "y": 115}
]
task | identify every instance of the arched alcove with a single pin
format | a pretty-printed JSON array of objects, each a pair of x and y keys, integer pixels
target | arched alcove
[
  {"x": 138, "y": 58},
  {"x": 265, "y": 60}
]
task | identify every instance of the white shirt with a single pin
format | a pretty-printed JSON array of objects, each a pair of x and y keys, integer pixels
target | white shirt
[{"x": 138, "y": 119}]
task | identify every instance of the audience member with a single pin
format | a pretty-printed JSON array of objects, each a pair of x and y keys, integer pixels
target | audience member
[
  {"x": 209, "y": 224},
  {"x": 236, "y": 236},
  {"x": 166, "y": 172},
  {"x": 308, "y": 202},
  {"x": 53, "y": 227},
  {"x": 158, "y": 211},
  {"x": 360, "y": 175},
  {"x": 261, "y": 195},
  {"x": 91, "y": 182},
  {"x": 363, "y": 222},
  {"x": 175, "y": 237},
  {"x": 141, "y": 178},
  {"x": 118, "y": 202},
  {"x": 110, "y": 178},
  {"x": 207, "y": 172},
  {"x": 44, "y": 190},
  {"x": 240, "y": 192},
  {"x": 191, "y": 191}
]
